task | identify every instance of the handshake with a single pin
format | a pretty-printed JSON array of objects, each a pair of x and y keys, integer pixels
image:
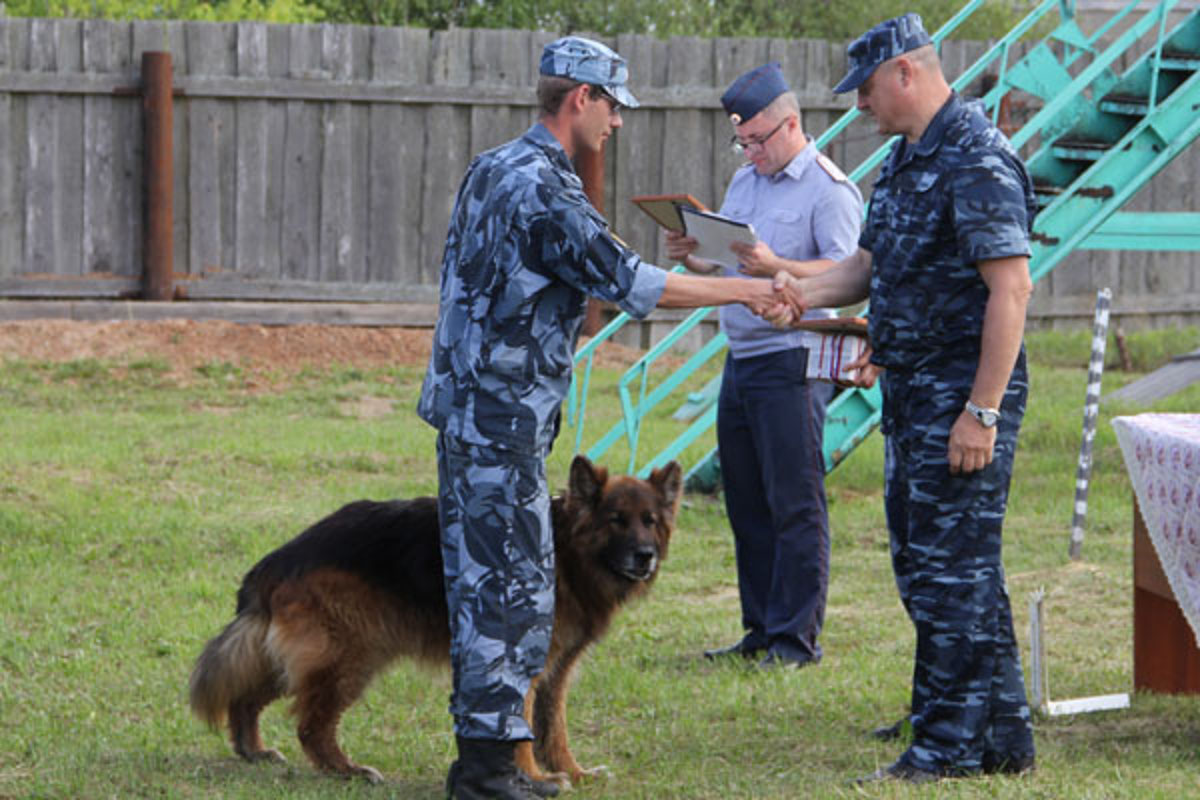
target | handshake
[{"x": 780, "y": 301}]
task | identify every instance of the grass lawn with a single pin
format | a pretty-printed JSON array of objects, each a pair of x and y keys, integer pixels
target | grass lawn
[{"x": 131, "y": 504}]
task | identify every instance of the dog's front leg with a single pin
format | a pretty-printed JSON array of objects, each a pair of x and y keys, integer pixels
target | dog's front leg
[
  {"x": 550, "y": 721},
  {"x": 524, "y": 755}
]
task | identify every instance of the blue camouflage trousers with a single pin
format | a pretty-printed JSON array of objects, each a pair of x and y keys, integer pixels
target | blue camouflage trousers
[
  {"x": 969, "y": 707},
  {"x": 498, "y": 549}
]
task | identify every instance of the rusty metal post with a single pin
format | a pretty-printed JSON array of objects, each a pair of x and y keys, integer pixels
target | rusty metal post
[
  {"x": 158, "y": 257},
  {"x": 590, "y": 167}
]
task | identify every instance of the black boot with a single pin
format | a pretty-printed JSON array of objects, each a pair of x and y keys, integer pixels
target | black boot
[{"x": 486, "y": 770}]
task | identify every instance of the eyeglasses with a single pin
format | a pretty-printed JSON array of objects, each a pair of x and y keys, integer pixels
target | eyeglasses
[
  {"x": 614, "y": 105},
  {"x": 742, "y": 145}
]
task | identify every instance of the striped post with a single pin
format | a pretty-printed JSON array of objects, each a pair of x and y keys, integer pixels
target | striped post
[{"x": 1091, "y": 410}]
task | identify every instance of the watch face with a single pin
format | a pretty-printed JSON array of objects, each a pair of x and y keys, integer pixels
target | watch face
[{"x": 989, "y": 418}]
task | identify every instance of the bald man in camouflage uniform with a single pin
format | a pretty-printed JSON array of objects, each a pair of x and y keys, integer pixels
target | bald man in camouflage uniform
[
  {"x": 524, "y": 250},
  {"x": 944, "y": 258}
]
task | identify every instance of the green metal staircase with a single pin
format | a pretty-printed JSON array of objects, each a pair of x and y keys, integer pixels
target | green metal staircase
[{"x": 1097, "y": 139}]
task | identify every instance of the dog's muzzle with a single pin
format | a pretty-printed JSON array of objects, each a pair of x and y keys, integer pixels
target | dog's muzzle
[{"x": 639, "y": 565}]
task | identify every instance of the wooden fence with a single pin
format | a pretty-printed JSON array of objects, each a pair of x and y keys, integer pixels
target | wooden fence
[{"x": 320, "y": 162}]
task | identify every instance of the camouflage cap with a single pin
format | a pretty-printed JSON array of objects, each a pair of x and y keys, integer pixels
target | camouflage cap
[
  {"x": 885, "y": 41},
  {"x": 753, "y": 92},
  {"x": 588, "y": 62}
]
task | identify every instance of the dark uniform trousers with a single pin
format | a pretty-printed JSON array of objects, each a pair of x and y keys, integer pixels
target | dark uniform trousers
[
  {"x": 968, "y": 695},
  {"x": 770, "y": 423}
]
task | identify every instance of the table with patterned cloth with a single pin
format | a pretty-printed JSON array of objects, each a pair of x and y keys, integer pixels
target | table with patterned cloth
[{"x": 1162, "y": 456}]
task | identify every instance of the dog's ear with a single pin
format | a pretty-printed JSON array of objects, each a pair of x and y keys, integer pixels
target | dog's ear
[
  {"x": 669, "y": 482},
  {"x": 586, "y": 484}
]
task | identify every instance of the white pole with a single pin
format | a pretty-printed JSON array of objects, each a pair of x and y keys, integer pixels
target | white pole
[{"x": 1091, "y": 410}]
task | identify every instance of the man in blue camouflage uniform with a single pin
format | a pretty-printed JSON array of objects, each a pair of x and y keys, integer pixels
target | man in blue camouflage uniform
[
  {"x": 524, "y": 250},
  {"x": 944, "y": 257},
  {"x": 770, "y": 418}
]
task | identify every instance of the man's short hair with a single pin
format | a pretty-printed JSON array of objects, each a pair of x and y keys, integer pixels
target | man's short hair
[
  {"x": 779, "y": 108},
  {"x": 551, "y": 91}
]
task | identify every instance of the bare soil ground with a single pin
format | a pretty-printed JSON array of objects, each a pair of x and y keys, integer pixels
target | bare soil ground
[{"x": 185, "y": 345}]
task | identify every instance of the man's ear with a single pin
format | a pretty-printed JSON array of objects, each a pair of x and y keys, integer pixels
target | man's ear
[{"x": 576, "y": 99}]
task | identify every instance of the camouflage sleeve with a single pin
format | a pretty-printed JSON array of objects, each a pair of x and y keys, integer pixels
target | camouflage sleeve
[
  {"x": 580, "y": 250},
  {"x": 836, "y": 228},
  {"x": 866, "y": 238},
  {"x": 988, "y": 205}
]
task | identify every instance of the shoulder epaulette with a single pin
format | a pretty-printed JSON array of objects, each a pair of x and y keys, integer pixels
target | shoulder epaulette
[{"x": 834, "y": 171}]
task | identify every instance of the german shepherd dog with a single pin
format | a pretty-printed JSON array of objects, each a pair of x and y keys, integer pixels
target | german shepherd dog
[{"x": 319, "y": 617}]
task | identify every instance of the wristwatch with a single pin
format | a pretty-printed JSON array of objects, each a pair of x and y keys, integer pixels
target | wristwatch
[{"x": 988, "y": 417}]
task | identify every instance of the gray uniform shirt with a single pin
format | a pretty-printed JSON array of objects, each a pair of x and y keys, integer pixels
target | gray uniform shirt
[{"x": 806, "y": 211}]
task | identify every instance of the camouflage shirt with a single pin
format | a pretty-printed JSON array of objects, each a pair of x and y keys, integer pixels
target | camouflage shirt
[
  {"x": 958, "y": 196},
  {"x": 524, "y": 251}
]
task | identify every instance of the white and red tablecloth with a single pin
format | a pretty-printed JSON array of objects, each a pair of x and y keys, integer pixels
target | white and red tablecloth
[{"x": 1162, "y": 455}]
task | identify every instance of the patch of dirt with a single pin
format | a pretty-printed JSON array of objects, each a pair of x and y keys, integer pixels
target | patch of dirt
[{"x": 185, "y": 345}]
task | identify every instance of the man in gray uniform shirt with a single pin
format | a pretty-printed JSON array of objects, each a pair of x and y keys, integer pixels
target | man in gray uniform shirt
[{"x": 770, "y": 419}]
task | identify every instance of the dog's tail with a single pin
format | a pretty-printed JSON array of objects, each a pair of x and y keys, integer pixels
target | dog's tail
[{"x": 234, "y": 665}]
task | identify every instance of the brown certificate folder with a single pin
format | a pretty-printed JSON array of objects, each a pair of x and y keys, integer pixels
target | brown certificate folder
[
  {"x": 664, "y": 208},
  {"x": 856, "y": 326}
]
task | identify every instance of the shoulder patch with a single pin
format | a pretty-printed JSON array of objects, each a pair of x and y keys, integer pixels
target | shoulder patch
[{"x": 834, "y": 172}]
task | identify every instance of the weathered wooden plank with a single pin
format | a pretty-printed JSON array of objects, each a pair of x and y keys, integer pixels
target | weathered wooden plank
[
  {"x": 254, "y": 230},
  {"x": 290, "y": 290},
  {"x": 313, "y": 89},
  {"x": 68, "y": 210},
  {"x": 212, "y": 50},
  {"x": 300, "y": 205},
  {"x": 220, "y": 288},
  {"x": 637, "y": 151},
  {"x": 400, "y": 56},
  {"x": 447, "y": 148},
  {"x": 126, "y": 169},
  {"x": 396, "y": 150},
  {"x": 337, "y": 241},
  {"x": 12, "y": 231},
  {"x": 7, "y": 31},
  {"x": 498, "y": 59},
  {"x": 398, "y": 315},
  {"x": 41, "y": 235},
  {"x": 12, "y": 228},
  {"x": 68, "y": 286},
  {"x": 99, "y": 181},
  {"x": 683, "y": 165},
  {"x": 300, "y": 208},
  {"x": 19, "y": 42}
]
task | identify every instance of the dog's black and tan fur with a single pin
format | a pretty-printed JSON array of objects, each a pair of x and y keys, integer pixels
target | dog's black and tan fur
[{"x": 318, "y": 618}]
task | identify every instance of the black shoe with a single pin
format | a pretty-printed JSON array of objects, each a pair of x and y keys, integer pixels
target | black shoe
[
  {"x": 775, "y": 661},
  {"x": 740, "y": 648},
  {"x": 890, "y": 733},
  {"x": 995, "y": 764},
  {"x": 486, "y": 770},
  {"x": 901, "y": 772},
  {"x": 540, "y": 788}
]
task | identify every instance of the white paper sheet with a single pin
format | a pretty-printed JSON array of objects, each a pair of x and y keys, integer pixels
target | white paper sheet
[{"x": 714, "y": 234}]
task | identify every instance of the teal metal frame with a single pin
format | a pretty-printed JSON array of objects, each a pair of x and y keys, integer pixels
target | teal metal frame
[{"x": 1080, "y": 211}]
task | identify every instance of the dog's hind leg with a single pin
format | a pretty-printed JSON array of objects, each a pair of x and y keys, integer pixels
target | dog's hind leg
[
  {"x": 243, "y": 723},
  {"x": 322, "y": 697}
]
